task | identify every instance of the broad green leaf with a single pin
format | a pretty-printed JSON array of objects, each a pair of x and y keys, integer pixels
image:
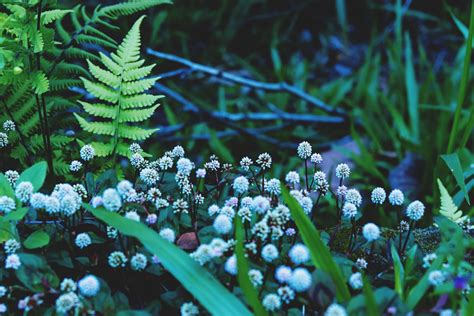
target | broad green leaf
[
  {"x": 399, "y": 272},
  {"x": 15, "y": 215},
  {"x": 246, "y": 285},
  {"x": 37, "y": 239},
  {"x": 370, "y": 302},
  {"x": 454, "y": 165},
  {"x": 36, "y": 274},
  {"x": 196, "y": 279},
  {"x": 320, "y": 254},
  {"x": 35, "y": 174},
  {"x": 5, "y": 187}
]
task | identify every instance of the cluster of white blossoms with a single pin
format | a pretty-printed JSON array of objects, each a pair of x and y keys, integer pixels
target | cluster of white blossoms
[{"x": 72, "y": 294}]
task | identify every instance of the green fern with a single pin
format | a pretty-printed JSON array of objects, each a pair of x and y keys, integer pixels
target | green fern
[
  {"x": 120, "y": 85},
  {"x": 448, "y": 208}
]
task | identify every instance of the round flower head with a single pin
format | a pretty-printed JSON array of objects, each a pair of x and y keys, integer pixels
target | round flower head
[
  {"x": 299, "y": 254},
  {"x": 12, "y": 262},
  {"x": 184, "y": 166},
  {"x": 165, "y": 163},
  {"x": 87, "y": 152},
  {"x": 319, "y": 176},
  {"x": 89, "y": 286},
  {"x": 132, "y": 215},
  {"x": 245, "y": 163},
  {"x": 371, "y": 232},
  {"x": 75, "y": 166},
  {"x": 213, "y": 209},
  {"x": 66, "y": 302},
  {"x": 38, "y": 201},
  {"x": 7, "y": 204},
  {"x": 151, "y": 219},
  {"x": 177, "y": 152},
  {"x": 137, "y": 160},
  {"x": 304, "y": 150},
  {"x": 83, "y": 240},
  {"x": 228, "y": 211},
  {"x": 138, "y": 262},
  {"x": 353, "y": 196},
  {"x": 300, "y": 280},
  {"x": 264, "y": 161},
  {"x": 316, "y": 159},
  {"x": 260, "y": 204},
  {"x": 12, "y": 177},
  {"x": 23, "y": 191},
  {"x": 415, "y": 210},
  {"x": 135, "y": 148},
  {"x": 111, "y": 200},
  {"x": 343, "y": 171},
  {"x": 9, "y": 126},
  {"x": 335, "y": 310},
  {"x": 149, "y": 176},
  {"x": 3, "y": 291},
  {"x": 349, "y": 210},
  {"x": 3, "y": 140},
  {"x": 356, "y": 281},
  {"x": 201, "y": 173},
  {"x": 306, "y": 203},
  {"x": 117, "y": 259},
  {"x": 222, "y": 224},
  {"x": 68, "y": 285},
  {"x": 269, "y": 253},
  {"x": 283, "y": 274},
  {"x": 271, "y": 302},
  {"x": 292, "y": 177},
  {"x": 168, "y": 234},
  {"x": 256, "y": 277},
  {"x": 123, "y": 187},
  {"x": 361, "y": 263},
  {"x": 230, "y": 265},
  {"x": 436, "y": 277},
  {"x": 52, "y": 205},
  {"x": 272, "y": 186},
  {"x": 396, "y": 197},
  {"x": 378, "y": 195},
  {"x": 11, "y": 246},
  {"x": 241, "y": 185},
  {"x": 189, "y": 309}
]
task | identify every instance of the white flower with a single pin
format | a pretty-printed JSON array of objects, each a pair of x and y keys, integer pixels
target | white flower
[
  {"x": 7, "y": 204},
  {"x": 117, "y": 259},
  {"x": 343, "y": 171},
  {"x": 83, "y": 240},
  {"x": 111, "y": 200},
  {"x": 137, "y": 160},
  {"x": 23, "y": 191},
  {"x": 3, "y": 140},
  {"x": 353, "y": 196},
  {"x": 227, "y": 211},
  {"x": 371, "y": 232},
  {"x": 123, "y": 187},
  {"x": 300, "y": 280},
  {"x": 230, "y": 265},
  {"x": 256, "y": 277},
  {"x": 378, "y": 195},
  {"x": 3, "y": 291},
  {"x": 264, "y": 160},
  {"x": 446, "y": 312},
  {"x": 260, "y": 204},
  {"x": 165, "y": 163},
  {"x": 11, "y": 246},
  {"x": 415, "y": 210},
  {"x": 149, "y": 176},
  {"x": 66, "y": 302},
  {"x": 269, "y": 253},
  {"x": 245, "y": 214},
  {"x": 316, "y": 158},
  {"x": 361, "y": 263},
  {"x": 304, "y": 150},
  {"x": 319, "y": 176},
  {"x": 189, "y": 309},
  {"x": 12, "y": 177},
  {"x": 436, "y": 277},
  {"x": 272, "y": 186},
  {"x": 335, "y": 310},
  {"x": 75, "y": 166},
  {"x": 292, "y": 177},
  {"x": 138, "y": 262},
  {"x": 135, "y": 148},
  {"x": 396, "y": 197},
  {"x": 12, "y": 262},
  {"x": 286, "y": 294},
  {"x": 241, "y": 185},
  {"x": 356, "y": 281},
  {"x": 168, "y": 234},
  {"x": 132, "y": 215},
  {"x": 200, "y": 173},
  {"x": 213, "y": 209},
  {"x": 184, "y": 166},
  {"x": 299, "y": 254},
  {"x": 349, "y": 210},
  {"x": 89, "y": 286},
  {"x": 38, "y": 200},
  {"x": 87, "y": 152},
  {"x": 222, "y": 224},
  {"x": 68, "y": 285},
  {"x": 180, "y": 206},
  {"x": 283, "y": 274},
  {"x": 428, "y": 260},
  {"x": 9, "y": 126},
  {"x": 178, "y": 151},
  {"x": 52, "y": 205},
  {"x": 97, "y": 201},
  {"x": 306, "y": 203},
  {"x": 245, "y": 163},
  {"x": 271, "y": 302}
]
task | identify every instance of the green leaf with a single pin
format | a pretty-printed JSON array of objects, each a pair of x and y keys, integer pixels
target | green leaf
[
  {"x": 398, "y": 272},
  {"x": 448, "y": 209},
  {"x": 412, "y": 90},
  {"x": 454, "y": 165},
  {"x": 15, "y": 215},
  {"x": 320, "y": 254},
  {"x": 36, "y": 274},
  {"x": 246, "y": 285},
  {"x": 5, "y": 187},
  {"x": 370, "y": 302},
  {"x": 196, "y": 279},
  {"x": 37, "y": 239},
  {"x": 35, "y": 174}
]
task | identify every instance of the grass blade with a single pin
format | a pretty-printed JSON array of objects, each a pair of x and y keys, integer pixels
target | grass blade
[
  {"x": 370, "y": 302},
  {"x": 412, "y": 90},
  {"x": 246, "y": 285},
  {"x": 454, "y": 165},
  {"x": 320, "y": 254},
  {"x": 196, "y": 279},
  {"x": 398, "y": 271}
]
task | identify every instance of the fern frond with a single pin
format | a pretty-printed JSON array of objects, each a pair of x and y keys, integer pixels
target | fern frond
[
  {"x": 448, "y": 208},
  {"x": 99, "y": 110},
  {"x": 53, "y": 15},
  {"x": 139, "y": 100},
  {"x": 134, "y": 132},
  {"x": 40, "y": 83},
  {"x": 110, "y": 64},
  {"x": 137, "y": 115},
  {"x": 84, "y": 38},
  {"x": 138, "y": 86},
  {"x": 62, "y": 84},
  {"x": 102, "y": 149},
  {"x": 98, "y": 128},
  {"x": 129, "y": 50},
  {"x": 130, "y": 7},
  {"x": 100, "y": 91},
  {"x": 104, "y": 76},
  {"x": 138, "y": 73}
]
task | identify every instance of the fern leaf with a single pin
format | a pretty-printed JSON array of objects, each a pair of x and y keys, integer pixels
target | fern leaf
[
  {"x": 448, "y": 208},
  {"x": 84, "y": 38},
  {"x": 138, "y": 73},
  {"x": 139, "y": 100},
  {"x": 137, "y": 115},
  {"x": 100, "y": 91},
  {"x": 110, "y": 64},
  {"x": 130, "y": 7},
  {"x": 138, "y": 86},
  {"x": 129, "y": 50},
  {"x": 104, "y": 76},
  {"x": 102, "y": 149},
  {"x": 99, "y": 110},
  {"x": 99, "y": 128},
  {"x": 53, "y": 15},
  {"x": 134, "y": 132},
  {"x": 40, "y": 83}
]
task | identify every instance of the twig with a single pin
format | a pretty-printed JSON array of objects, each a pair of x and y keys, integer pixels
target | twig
[{"x": 268, "y": 86}]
